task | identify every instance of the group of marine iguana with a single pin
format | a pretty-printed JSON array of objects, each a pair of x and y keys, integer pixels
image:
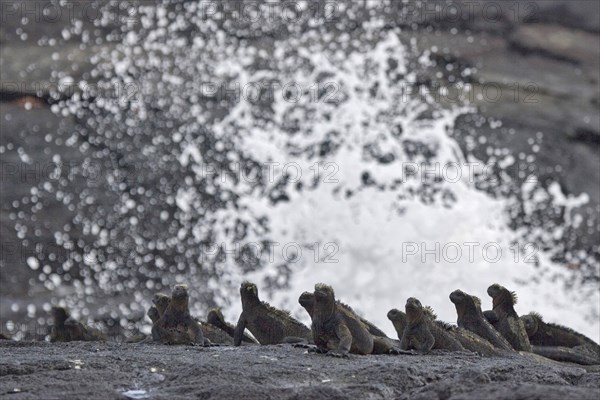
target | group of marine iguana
[{"x": 337, "y": 330}]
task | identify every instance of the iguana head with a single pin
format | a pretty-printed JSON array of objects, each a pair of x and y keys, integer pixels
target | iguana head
[
  {"x": 464, "y": 302},
  {"x": 307, "y": 300},
  {"x": 60, "y": 315},
  {"x": 215, "y": 316},
  {"x": 324, "y": 303},
  {"x": 414, "y": 309},
  {"x": 161, "y": 301},
  {"x": 249, "y": 292},
  {"x": 458, "y": 297},
  {"x": 394, "y": 315},
  {"x": 501, "y": 295},
  {"x": 179, "y": 298},
  {"x": 323, "y": 293},
  {"x": 180, "y": 292},
  {"x": 398, "y": 319},
  {"x": 158, "y": 297},
  {"x": 153, "y": 314},
  {"x": 532, "y": 322}
]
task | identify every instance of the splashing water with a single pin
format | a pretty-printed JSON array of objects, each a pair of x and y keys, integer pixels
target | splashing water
[{"x": 292, "y": 159}]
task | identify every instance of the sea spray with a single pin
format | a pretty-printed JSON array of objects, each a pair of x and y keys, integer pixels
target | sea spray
[{"x": 290, "y": 153}]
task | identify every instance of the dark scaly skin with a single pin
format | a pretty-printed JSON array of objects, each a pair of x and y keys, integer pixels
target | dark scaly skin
[
  {"x": 306, "y": 300},
  {"x": 267, "y": 324},
  {"x": 385, "y": 345},
  {"x": 491, "y": 316},
  {"x": 215, "y": 318},
  {"x": 176, "y": 325},
  {"x": 153, "y": 314},
  {"x": 335, "y": 331},
  {"x": 373, "y": 330},
  {"x": 66, "y": 329},
  {"x": 58, "y": 332},
  {"x": 441, "y": 331},
  {"x": 471, "y": 318},
  {"x": 559, "y": 342},
  {"x": 381, "y": 343},
  {"x": 398, "y": 319},
  {"x": 474, "y": 342},
  {"x": 4, "y": 337},
  {"x": 466, "y": 338},
  {"x": 509, "y": 324},
  {"x": 542, "y": 333},
  {"x": 215, "y": 335},
  {"x": 567, "y": 354},
  {"x": 161, "y": 302},
  {"x": 417, "y": 333}
]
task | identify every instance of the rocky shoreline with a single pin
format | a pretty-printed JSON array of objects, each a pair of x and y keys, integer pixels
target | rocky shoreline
[{"x": 105, "y": 370}]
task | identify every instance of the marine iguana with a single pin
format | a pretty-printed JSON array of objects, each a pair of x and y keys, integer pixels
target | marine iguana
[
  {"x": 215, "y": 317},
  {"x": 467, "y": 339},
  {"x": 306, "y": 300},
  {"x": 398, "y": 319},
  {"x": 66, "y": 329},
  {"x": 176, "y": 325},
  {"x": 153, "y": 314},
  {"x": 161, "y": 302},
  {"x": 373, "y": 330},
  {"x": 381, "y": 343},
  {"x": 215, "y": 335},
  {"x": 267, "y": 324},
  {"x": 470, "y": 317},
  {"x": 422, "y": 333},
  {"x": 491, "y": 316},
  {"x": 559, "y": 342},
  {"x": 474, "y": 342},
  {"x": 542, "y": 333},
  {"x": 576, "y": 355},
  {"x": 509, "y": 324},
  {"x": 335, "y": 331}
]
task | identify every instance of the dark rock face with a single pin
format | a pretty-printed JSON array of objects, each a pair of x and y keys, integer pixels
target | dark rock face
[
  {"x": 100, "y": 370},
  {"x": 114, "y": 198}
]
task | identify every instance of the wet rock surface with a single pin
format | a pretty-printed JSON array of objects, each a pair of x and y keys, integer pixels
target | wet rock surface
[{"x": 110, "y": 370}]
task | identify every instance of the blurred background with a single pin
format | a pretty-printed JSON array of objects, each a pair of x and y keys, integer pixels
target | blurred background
[{"x": 388, "y": 148}]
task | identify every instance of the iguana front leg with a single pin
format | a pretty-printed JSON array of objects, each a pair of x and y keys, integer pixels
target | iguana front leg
[
  {"x": 421, "y": 344},
  {"x": 424, "y": 344},
  {"x": 405, "y": 342},
  {"x": 238, "y": 333},
  {"x": 160, "y": 335},
  {"x": 195, "y": 332},
  {"x": 345, "y": 341}
]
